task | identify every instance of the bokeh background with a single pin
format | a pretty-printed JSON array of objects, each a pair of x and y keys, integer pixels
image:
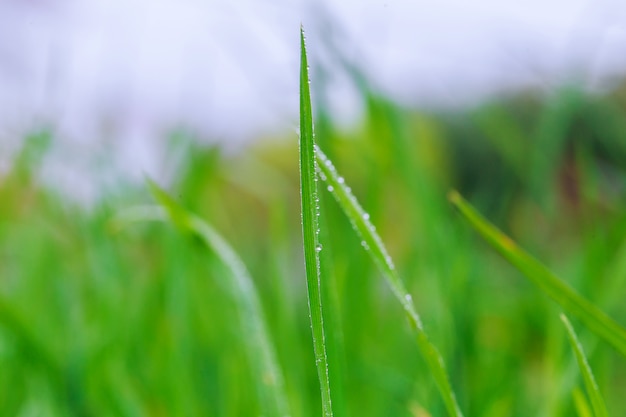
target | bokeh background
[
  {"x": 522, "y": 108},
  {"x": 114, "y": 77}
]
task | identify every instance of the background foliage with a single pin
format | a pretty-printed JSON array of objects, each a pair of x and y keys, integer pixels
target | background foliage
[{"x": 101, "y": 320}]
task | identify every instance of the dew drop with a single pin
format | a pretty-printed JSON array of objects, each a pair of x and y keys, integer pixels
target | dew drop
[
  {"x": 331, "y": 188},
  {"x": 408, "y": 298},
  {"x": 318, "y": 248},
  {"x": 340, "y": 180},
  {"x": 366, "y": 216}
]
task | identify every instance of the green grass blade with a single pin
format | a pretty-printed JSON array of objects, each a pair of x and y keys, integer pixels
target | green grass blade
[
  {"x": 597, "y": 403},
  {"x": 270, "y": 384},
  {"x": 580, "y": 403},
  {"x": 596, "y": 320},
  {"x": 375, "y": 247},
  {"x": 310, "y": 227},
  {"x": 37, "y": 350}
]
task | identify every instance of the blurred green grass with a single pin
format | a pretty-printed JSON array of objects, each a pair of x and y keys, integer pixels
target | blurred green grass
[{"x": 100, "y": 321}]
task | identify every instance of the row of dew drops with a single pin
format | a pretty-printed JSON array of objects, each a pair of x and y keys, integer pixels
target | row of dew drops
[{"x": 339, "y": 189}]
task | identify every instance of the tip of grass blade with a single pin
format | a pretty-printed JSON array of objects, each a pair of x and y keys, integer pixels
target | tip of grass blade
[
  {"x": 454, "y": 197},
  {"x": 179, "y": 217}
]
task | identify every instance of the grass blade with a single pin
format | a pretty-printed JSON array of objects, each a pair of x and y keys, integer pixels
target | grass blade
[
  {"x": 270, "y": 384},
  {"x": 375, "y": 247},
  {"x": 310, "y": 227},
  {"x": 36, "y": 350},
  {"x": 597, "y": 403},
  {"x": 596, "y": 320},
  {"x": 580, "y": 403}
]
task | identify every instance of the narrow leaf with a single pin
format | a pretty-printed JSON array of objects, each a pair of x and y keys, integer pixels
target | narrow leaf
[
  {"x": 597, "y": 403},
  {"x": 259, "y": 348},
  {"x": 37, "y": 350},
  {"x": 310, "y": 228},
  {"x": 596, "y": 320},
  {"x": 377, "y": 251},
  {"x": 580, "y": 403}
]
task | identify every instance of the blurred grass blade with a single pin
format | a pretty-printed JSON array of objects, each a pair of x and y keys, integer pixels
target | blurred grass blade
[
  {"x": 310, "y": 227},
  {"x": 36, "y": 350},
  {"x": 580, "y": 403},
  {"x": 558, "y": 290},
  {"x": 261, "y": 352},
  {"x": 375, "y": 247},
  {"x": 597, "y": 403}
]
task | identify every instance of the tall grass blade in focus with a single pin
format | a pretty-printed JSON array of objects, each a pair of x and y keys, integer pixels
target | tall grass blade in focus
[
  {"x": 597, "y": 403},
  {"x": 550, "y": 284},
  {"x": 375, "y": 247},
  {"x": 310, "y": 229},
  {"x": 259, "y": 348}
]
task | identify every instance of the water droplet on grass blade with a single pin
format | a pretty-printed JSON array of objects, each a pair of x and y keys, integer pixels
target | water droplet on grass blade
[
  {"x": 318, "y": 248},
  {"x": 331, "y": 188}
]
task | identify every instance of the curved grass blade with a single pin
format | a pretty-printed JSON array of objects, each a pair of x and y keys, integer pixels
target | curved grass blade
[
  {"x": 596, "y": 320},
  {"x": 376, "y": 249},
  {"x": 310, "y": 227},
  {"x": 270, "y": 384},
  {"x": 597, "y": 403}
]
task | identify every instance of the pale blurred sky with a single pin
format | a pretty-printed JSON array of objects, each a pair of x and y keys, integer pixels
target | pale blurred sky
[{"x": 229, "y": 69}]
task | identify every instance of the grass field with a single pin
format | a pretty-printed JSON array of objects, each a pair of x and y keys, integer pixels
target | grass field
[{"x": 135, "y": 307}]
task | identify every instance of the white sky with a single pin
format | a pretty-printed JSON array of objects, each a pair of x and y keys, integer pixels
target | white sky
[{"x": 229, "y": 69}]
